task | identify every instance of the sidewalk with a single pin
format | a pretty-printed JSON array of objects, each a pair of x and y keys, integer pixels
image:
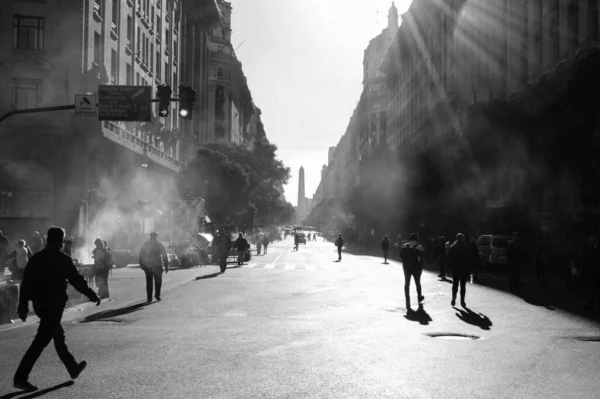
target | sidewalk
[
  {"x": 554, "y": 294},
  {"x": 127, "y": 285}
]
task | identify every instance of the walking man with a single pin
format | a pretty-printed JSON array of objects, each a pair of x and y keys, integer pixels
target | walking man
[
  {"x": 296, "y": 241},
  {"x": 314, "y": 237},
  {"x": 459, "y": 259},
  {"x": 412, "y": 254},
  {"x": 241, "y": 244},
  {"x": 153, "y": 258},
  {"x": 516, "y": 258},
  {"x": 224, "y": 246},
  {"x": 339, "y": 243},
  {"x": 45, "y": 284},
  {"x": 385, "y": 247},
  {"x": 37, "y": 242}
]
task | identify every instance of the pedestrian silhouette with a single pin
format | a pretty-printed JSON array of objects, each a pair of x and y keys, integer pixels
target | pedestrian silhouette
[{"x": 476, "y": 319}]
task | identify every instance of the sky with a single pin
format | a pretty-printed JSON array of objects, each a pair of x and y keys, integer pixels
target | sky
[{"x": 303, "y": 61}]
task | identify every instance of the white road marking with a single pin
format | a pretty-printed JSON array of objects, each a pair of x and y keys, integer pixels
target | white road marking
[
  {"x": 269, "y": 266},
  {"x": 289, "y": 267}
]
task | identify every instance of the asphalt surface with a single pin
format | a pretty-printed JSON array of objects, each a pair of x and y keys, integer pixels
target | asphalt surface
[{"x": 301, "y": 325}]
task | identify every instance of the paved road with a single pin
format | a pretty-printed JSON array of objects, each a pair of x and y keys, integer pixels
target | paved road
[{"x": 301, "y": 325}]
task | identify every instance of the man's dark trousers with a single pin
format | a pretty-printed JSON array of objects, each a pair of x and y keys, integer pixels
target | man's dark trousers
[
  {"x": 156, "y": 277},
  {"x": 339, "y": 253},
  {"x": 385, "y": 255},
  {"x": 459, "y": 278},
  {"x": 223, "y": 260},
  {"x": 49, "y": 329},
  {"x": 415, "y": 272}
]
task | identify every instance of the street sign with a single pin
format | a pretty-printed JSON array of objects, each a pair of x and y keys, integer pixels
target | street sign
[
  {"x": 124, "y": 103},
  {"x": 85, "y": 105}
]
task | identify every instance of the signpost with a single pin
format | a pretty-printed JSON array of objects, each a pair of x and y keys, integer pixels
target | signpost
[
  {"x": 124, "y": 103},
  {"x": 85, "y": 105}
]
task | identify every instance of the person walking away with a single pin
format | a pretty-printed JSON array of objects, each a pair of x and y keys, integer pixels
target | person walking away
[
  {"x": 241, "y": 244},
  {"x": 441, "y": 256},
  {"x": 223, "y": 246},
  {"x": 100, "y": 270},
  {"x": 296, "y": 241},
  {"x": 473, "y": 258},
  {"x": 516, "y": 259},
  {"x": 339, "y": 243},
  {"x": 385, "y": 247},
  {"x": 309, "y": 236},
  {"x": 258, "y": 245},
  {"x": 37, "y": 242},
  {"x": 265, "y": 242},
  {"x": 45, "y": 285},
  {"x": 412, "y": 255},
  {"x": 22, "y": 254},
  {"x": 153, "y": 259},
  {"x": 4, "y": 245},
  {"x": 459, "y": 258},
  {"x": 314, "y": 237}
]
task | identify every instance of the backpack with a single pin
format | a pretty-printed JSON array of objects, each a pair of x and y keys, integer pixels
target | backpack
[{"x": 410, "y": 256}]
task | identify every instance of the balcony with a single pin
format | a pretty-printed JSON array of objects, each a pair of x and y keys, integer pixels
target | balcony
[
  {"x": 130, "y": 3},
  {"x": 128, "y": 49},
  {"x": 118, "y": 134},
  {"x": 114, "y": 33},
  {"x": 145, "y": 20},
  {"x": 98, "y": 12},
  {"x": 151, "y": 28},
  {"x": 159, "y": 4},
  {"x": 138, "y": 10},
  {"x": 138, "y": 56},
  {"x": 144, "y": 65}
]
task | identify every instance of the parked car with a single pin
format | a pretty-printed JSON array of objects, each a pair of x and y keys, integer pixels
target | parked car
[
  {"x": 301, "y": 238},
  {"x": 492, "y": 249}
]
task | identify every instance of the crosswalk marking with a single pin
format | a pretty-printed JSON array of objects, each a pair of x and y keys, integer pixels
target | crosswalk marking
[{"x": 282, "y": 266}]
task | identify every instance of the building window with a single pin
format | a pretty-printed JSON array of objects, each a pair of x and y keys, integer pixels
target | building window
[
  {"x": 139, "y": 40},
  {"x": 28, "y": 33},
  {"x": 593, "y": 19},
  {"x": 129, "y": 27},
  {"x": 26, "y": 93},
  {"x": 573, "y": 18},
  {"x": 167, "y": 74},
  {"x": 129, "y": 71},
  {"x": 175, "y": 51},
  {"x": 158, "y": 63},
  {"x": 98, "y": 48},
  {"x": 115, "y": 12},
  {"x": 114, "y": 67}
]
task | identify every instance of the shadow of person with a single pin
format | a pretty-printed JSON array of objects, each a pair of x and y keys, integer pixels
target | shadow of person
[
  {"x": 212, "y": 275},
  {"x": 107, "y": 314},
  {"x": 477, "y": 319},
  {"x": 37, "y": 394},
  {"x": 420, "y": 315}
]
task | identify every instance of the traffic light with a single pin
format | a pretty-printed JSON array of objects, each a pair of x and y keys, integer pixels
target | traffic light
[
  {"x": 187, "y": 96},
  {"x": 163, "y": 93}
]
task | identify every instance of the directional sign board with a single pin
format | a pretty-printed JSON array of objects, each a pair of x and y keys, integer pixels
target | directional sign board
[
  {"x": 85, "y": 105},
  {"x": 124, "y": 103}
]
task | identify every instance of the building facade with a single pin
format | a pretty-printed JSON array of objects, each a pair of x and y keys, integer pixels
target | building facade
[{"x": 52, "y": 163}]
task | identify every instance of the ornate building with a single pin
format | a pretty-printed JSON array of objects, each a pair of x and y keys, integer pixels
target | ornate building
[{"x": 52, "y": 163}]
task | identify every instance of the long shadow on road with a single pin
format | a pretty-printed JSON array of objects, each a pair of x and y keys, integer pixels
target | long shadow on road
[
  {"x": 419, "y": 315},
  {"x": 477, "y": 319},
  {"x": 37, "y": 394},
  {"x": 108, "y": 314}
]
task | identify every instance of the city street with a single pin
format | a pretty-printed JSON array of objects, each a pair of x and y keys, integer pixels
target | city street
[{"x": 302, "y": 325}]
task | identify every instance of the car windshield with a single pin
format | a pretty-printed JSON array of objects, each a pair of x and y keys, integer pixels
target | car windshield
[{"x": 500, "y": 242}]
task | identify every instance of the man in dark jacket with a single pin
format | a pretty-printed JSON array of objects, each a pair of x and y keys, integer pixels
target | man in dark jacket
[
  {"x": 241, "y": 245},
  {"x": 224, "y": 246},
  {"x": 153, "y": 259},
  {"x": 37, "y": 242},
  {"x": 516, "y": 260},
  {"x": 339, "y": 243},
  {"x": 412, "y": 254},
  {"x": 385, "y": 247},
  {"x": 459, "y": 258},
  {"x": 45, "y": 284}
]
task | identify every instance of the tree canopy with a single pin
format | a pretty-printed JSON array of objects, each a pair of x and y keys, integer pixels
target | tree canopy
[{"x": 240, "y": 184}]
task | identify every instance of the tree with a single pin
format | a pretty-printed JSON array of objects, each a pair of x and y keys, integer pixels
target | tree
[{"x": 239, "y": 183}]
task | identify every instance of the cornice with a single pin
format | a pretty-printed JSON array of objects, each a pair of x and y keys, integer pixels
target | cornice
[{"x": 28, "y": 60}]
